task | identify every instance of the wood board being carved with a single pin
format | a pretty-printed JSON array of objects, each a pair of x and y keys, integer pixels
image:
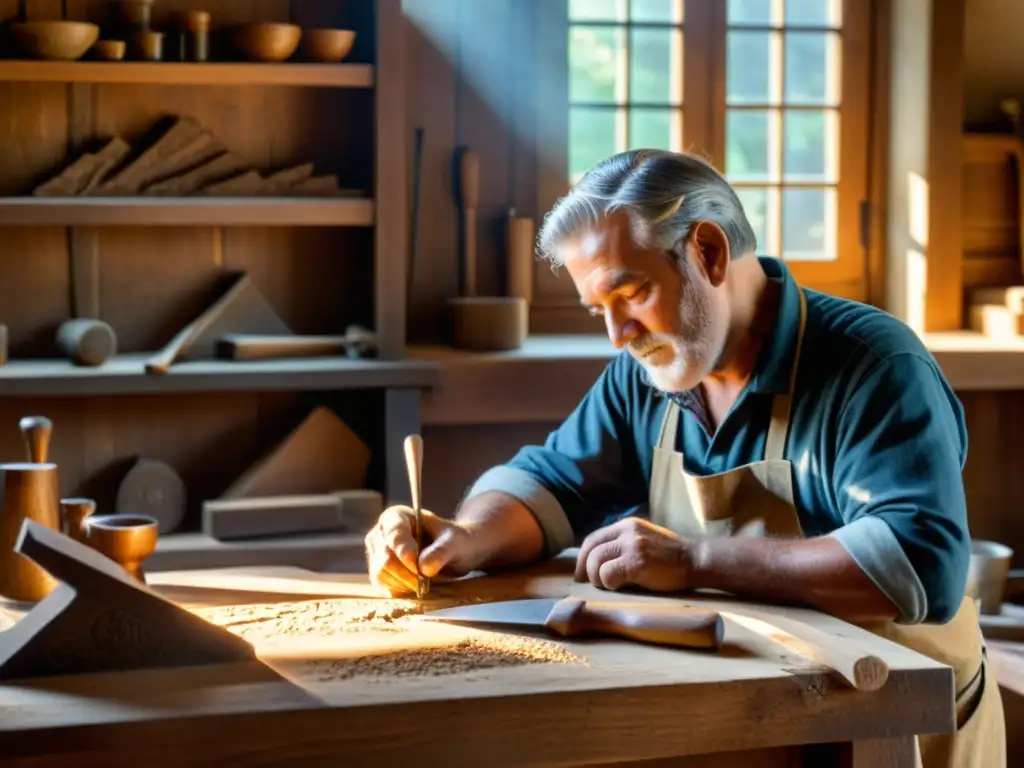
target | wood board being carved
[
  {"x": 185, "y": 159},
  {"x": 100, "y": 619}
]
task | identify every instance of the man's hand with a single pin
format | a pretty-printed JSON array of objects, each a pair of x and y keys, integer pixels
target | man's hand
[
  {"x": 391, "y": 553},
  {"x": 635, "y": 552}
]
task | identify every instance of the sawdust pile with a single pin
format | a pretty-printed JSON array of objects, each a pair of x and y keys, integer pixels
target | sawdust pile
[
  {"x": 312, "y": 617},
  {"x": 324, "y": 618},
  {"x": 470, "y": 655}
]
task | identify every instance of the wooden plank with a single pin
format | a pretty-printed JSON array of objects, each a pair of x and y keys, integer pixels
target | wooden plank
[
  {"x": 944, "y": 281},
  {"x": 125, "y": 376},
  {"x": 189, "y": 551},
  {"x": 175, "y": 73},
  {"x": 431, "y": 60},
  {"x": 391, "y": 142},
  {"x": 186, "y": 211}
]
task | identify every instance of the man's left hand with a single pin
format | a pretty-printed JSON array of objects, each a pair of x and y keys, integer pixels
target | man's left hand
[{"x": 635, "y": 552}]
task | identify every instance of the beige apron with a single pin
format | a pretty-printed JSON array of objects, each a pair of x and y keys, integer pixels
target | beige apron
[{"x": 757, "y": 500}]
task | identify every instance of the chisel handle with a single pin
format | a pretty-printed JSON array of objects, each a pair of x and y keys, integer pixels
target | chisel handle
[{"x": 644, "y": 622}]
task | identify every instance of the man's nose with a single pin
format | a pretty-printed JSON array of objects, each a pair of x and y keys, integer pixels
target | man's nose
[{"x": 621, "y": 329}]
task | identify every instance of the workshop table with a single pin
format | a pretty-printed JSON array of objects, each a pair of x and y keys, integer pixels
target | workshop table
[{"x": 753, "y": 703}]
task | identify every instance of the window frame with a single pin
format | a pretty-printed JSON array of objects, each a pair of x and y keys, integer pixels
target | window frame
[{"x": 555, "y": 305}]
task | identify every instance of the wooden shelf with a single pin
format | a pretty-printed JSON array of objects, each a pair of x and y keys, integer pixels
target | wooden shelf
[
  {"x": 125, "y": 375},
  {"x": 175, "y": 73},
  {"x": 322, "y": 552},
  {"x": 186, "y": 211}
]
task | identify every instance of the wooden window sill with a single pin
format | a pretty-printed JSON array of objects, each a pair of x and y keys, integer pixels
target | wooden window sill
[{"x": 545, "y": 379}]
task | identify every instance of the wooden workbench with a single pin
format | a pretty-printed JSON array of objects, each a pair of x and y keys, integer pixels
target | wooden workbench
[{"x": 754, "y": 703}]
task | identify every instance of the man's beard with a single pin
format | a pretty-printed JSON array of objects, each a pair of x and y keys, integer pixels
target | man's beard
[{"x": 678, "y": 362}]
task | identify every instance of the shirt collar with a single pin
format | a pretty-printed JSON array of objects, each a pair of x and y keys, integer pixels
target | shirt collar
[{"x": 775, "y": 360}]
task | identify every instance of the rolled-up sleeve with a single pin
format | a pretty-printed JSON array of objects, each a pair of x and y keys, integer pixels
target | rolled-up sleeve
[
  {"x": 585, "y": 470},
  {"x": 901, "y": 446}
]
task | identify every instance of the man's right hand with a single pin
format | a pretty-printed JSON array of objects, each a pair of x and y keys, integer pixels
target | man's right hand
[{"x": 391, "y": 553}]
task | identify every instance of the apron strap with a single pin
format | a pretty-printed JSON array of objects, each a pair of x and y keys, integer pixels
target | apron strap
[
  {"x": 775, "y": 445},
  {"x": 669, "y": 427}
]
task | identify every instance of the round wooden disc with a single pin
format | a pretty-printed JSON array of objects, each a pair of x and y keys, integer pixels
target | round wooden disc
[{"x": 153, "y": 488}]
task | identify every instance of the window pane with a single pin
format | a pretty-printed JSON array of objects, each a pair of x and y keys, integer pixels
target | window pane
[
  {"x": 814, "y": 13},
  {"x": 751, "y": 145},
  {"x": 749, "y": 12},
  {"x": 752, "y": 68},
  {"x": 595, "y": 57},
  {"x": 812, "y": 68},
  {"x": 655, "y": 128},
  {"x": 597, "y": 10},
  {"x": 810, "y": 146},
  {"x": 656, "y": 10},
  {"x": 761, "y": 205},
  {"x": 656, "y": 66},
  {"x": 593, "y": 136},
  {"x": 808, "y": 224}
]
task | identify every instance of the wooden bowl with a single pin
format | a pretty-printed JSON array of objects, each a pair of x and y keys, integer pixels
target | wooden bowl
[
  {"x": 55, "y": 40},
  {"x": 266, "y": 41},
  {"x": 328, "y": 45},
  {"x": 110, "y": 50}
]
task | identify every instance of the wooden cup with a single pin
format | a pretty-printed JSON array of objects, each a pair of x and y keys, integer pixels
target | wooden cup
[{"x": 489, "y": 323}]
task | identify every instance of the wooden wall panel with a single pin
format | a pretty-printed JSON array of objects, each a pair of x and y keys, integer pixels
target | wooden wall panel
[{"x": 464, "y": 70}]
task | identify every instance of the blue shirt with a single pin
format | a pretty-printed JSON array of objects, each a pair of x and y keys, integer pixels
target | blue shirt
[{"x": 877, "y": 441}]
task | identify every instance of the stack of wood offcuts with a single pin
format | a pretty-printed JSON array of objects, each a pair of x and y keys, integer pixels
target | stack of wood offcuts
[{"x": 998, "y": 312}]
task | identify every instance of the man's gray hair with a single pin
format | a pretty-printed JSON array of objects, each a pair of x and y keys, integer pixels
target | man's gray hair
[{"x": 664, "y": 192}]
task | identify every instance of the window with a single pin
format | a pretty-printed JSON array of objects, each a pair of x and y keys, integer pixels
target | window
[{"x": 774, "y": 92}]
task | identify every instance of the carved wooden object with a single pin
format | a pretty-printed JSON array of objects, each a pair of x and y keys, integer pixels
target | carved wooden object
[
  {"x": 322, "y": 455},
  {"x": 154, "y": 489},
  {"x": 73, "y": 514},
  {"x": 99, "y": 619},
  {"x": 229, "y": 519},
  {"x": 240, "y": 310},
  {"x": 86, "y": 341},
  {"x": 28, "y": 491}
]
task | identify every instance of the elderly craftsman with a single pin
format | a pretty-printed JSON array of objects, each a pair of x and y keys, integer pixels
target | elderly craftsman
[{"x": 757, "y": 437}]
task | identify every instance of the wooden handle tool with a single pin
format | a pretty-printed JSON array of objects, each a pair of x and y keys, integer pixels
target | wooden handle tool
[
  {"x": 36, "y": 430},
  {"x": 414, "y": 465},
  {"x": 860, "y": 670},
  {"x": 469, "y": 202},
  {"x": 644, "y": 622}
]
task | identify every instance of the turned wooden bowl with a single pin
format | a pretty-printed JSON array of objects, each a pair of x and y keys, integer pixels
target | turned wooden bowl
[
  {"x": 266, "y": 41},
  {"x": 126, "y": 539},
  {"x": 55, "y": 40},
  {"x": 110, "y": 50},
  {"x": 327, "y": 45}
]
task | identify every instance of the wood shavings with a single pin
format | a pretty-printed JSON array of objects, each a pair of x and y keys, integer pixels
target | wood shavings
[{"x": 469, "y": 655}]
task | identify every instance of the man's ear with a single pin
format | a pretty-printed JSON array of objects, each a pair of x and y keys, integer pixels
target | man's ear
[{"x": 711, "y": 248}]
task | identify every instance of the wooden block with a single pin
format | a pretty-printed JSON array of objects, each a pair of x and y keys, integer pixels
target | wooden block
[
  {"x": 996, "y": 321},
  {"x": 230, "y": 519},
  {"x": 241, "y": 346},
  {"x": 322, "y": 455},
  {"x": 85, "y": 174},
  {"x": 223, "y": 166},
  {"x": 245, "y": 184},
  {"x": 185, "y": 145},
  {"x": 100, "y": 619},
  {"x": 242, "y": 309},
  {"x": 1011, "y": 297}
]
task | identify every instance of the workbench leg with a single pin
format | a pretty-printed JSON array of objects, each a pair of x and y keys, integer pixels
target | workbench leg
[
  {"x": 401, "y": 419},
  {"x": 900, "y": 752}
]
